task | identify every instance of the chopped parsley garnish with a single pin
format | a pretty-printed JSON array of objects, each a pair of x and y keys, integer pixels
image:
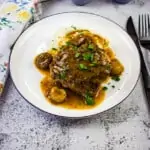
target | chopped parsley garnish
[
  {"x": 90, "y": 47},
  {"x": 89, "y": 99},
  {"x": 81, "y": 32},
  {"x": 75, "y": 47},
  {"x": 105, "y": 88},
  {"x": 113, "y": 86},
  {"x": 93, "y": 65},
  {"x": 54, "y": 49},
  {"x": 106, "y": 44},
  {"x": 77, "y": 55},
  {"x": 116, "y": 78},
  {"x": 88, "y": 56},
  {"x": 62, "y": 75},
  {"x": 68, "y": 43},
  {"x": 91, "y": 57},
  {"x": 75, "y": 28},
  {"x": 82, "y": 67},
  {"x": 108, "y": 66},
  {"x": 94, "y": 62}
]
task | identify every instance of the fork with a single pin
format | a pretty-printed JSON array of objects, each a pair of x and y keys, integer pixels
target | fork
[
  {"x": 144, "y": 29},
  {"x": 144, "y": 37}
]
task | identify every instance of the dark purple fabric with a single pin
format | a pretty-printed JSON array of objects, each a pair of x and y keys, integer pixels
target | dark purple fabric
[
  {"x": 122, "y": 1},
  {"x": 81, "y": 2}
]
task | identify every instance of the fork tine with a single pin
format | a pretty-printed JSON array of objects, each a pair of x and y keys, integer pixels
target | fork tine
[
  {"x": 142, "y": 23},
  {"x": 148, "y": 24},
  {"x": 146, "y": 28},
  {"x": 139, "y": 26}
]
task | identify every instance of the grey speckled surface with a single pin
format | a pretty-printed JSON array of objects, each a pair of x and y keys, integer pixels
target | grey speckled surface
[{"x": 125, "y": 127}]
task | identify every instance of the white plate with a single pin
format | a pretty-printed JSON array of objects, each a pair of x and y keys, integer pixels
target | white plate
[{"x": 37, "y": 39}]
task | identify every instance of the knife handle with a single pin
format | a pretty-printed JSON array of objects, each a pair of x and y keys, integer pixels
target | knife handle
[
  {"x": 146, "y": 67},
  {"x": 148, "y": 80},
  {"x": 146, "y": 76}
]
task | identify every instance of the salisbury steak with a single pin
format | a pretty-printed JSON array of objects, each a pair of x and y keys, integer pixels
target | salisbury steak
[{"x": 80, "y": 65}]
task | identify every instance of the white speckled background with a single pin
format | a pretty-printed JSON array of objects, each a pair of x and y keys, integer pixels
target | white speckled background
[{"x": 125, "y": 127}]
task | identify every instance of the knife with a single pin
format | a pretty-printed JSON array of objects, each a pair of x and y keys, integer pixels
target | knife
[{"x": 132, "y": 32}]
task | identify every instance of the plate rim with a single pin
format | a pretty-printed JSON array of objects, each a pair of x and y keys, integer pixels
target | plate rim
[{"x": 80, "y": 12}]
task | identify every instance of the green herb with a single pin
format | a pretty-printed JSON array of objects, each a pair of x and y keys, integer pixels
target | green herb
[
  {"x": 91, "y": 57},
  {"x": 82, "y": 67},
  {"x": 68, "y": 43},
  {"x": 116, "y": 78},
  {"x": 93, "y": 65},
  {"x": 108, "y": 66},
  {"x": 77, "y": 55},
  {"x": 62, "y": 75},
  {"x": 113, "y": 86},
  {"x": 94, "y": 62},
  {"x": 89, "y": 99},
  {"x": 106, "y": 44},
  {"x": 54, "y": 49},
  {"x": 75, "y": 28},
  {"x": 90, "y": 47},
  {"x": 105, "y": 88},
  {"x": 81, "y": 32},
  {"x": 88, "y": 56},
  {"x": 75, "y": 48}
]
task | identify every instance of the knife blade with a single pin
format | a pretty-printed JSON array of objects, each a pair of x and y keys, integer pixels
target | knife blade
[
  {"x": 145, "y": 76},
  {"x": 132, "y": 32}
]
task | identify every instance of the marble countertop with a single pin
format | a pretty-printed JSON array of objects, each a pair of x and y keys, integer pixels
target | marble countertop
[{"x": 125, "y": 127}]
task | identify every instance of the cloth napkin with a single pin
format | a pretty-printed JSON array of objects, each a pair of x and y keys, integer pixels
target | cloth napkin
[{"x": 15, "y": 16}]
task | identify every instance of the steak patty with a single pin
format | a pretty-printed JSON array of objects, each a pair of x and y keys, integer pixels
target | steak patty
[{"x": 80, "y": 65}]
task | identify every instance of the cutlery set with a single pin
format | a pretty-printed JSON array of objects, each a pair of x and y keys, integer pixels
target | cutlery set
[{"x": 142, "y": 40}]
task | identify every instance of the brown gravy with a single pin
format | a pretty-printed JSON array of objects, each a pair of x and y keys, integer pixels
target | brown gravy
[{"x": 73, "y": 101}]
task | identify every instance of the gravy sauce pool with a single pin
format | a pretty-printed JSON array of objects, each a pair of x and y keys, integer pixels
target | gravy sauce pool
[{"x": 72, "y": 101}]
